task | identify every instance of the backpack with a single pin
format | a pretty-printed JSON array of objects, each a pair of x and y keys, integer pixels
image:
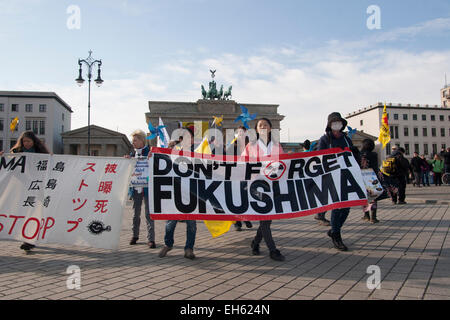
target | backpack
[{"x": 389, "y": 167}]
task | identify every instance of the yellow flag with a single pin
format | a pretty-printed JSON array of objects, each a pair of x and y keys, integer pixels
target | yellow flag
[
  {"x": 14, "y": 124},
  {"x": 216, "y": 228},
  {"x": 385, "y": 134}
]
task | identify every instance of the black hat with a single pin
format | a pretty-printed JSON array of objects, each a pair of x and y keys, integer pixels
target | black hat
[{"x": 334, "y": 117}]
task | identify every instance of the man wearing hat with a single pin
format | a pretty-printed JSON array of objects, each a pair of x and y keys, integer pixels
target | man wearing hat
[{"x": 335, "y": 137}]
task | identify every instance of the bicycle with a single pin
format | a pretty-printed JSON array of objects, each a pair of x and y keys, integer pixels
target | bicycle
[{"x": 446, "y": 178}]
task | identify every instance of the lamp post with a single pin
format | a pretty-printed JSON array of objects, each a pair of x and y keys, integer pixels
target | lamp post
[{"x": 90, "y": 63}]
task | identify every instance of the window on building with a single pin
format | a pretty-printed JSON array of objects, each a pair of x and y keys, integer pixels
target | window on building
[
  {"x": 442, "y": 132},
  {"x": 414, "y": 116},
  {"x": 2, "y": 108},
  {"x": 42, "y": 108},
  {"x": 405, "y": 116},
  {"x": 416, "y": 148},
  {"x": 434, "y": 148},
  {"x": 27, "y": 125},
  {"x": 62, "y": 128},
  {"x": 433, "y": 117},
  {"x": 396, "y": 132},
  {"x": 406, "y": 131},
  {"x": 443, "y": 146},
  {"x": 441, "y": 117},
  {"x": 28, "y": 108},
  {"x": 433, "y": 132},
  {"x": 416, "y": 132},
  {"x": 63, "y": 117},
  {"x": 1, "y": 126},
  {"x": 42, "y": 127},
  {"x": 35, "y": 126},
  {"x": 407, "y": 149},
  {"x": 1, "y": 144},
  {"x": 424, "y": 117},
  {"x": 388, "y": 149},
  {"x": 395, "y": 116},
  {"x": 15, "y": 108},
  {"x": 425, "y": 132},
  {"x": 361, "y": 122},
  {"x": 391, "y": 131},
  {"x": 425, "y": 149},
  {"x": 448, "y": 118}
]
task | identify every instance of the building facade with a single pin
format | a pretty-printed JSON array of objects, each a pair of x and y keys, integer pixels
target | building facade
[
  {"x": 104, "y": 142},
  {"x": 417, "y": 128},
  {"x": 45, "y": 113}
]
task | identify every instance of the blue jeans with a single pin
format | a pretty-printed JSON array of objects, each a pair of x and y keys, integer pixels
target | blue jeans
[
  {"x": 426, "y": 178},
  {"x": 191, "y": 230},
  {"x": 338, "y": 217},
  {"x": 137, "y": 205}
]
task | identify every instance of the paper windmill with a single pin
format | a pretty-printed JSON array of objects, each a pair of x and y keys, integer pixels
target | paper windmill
[
  {"x": 350, "y": 132},
  {"x": 245, "y": 117},
  {"x": 217, "y": 121},
  {"x": 156, "y": 132}
]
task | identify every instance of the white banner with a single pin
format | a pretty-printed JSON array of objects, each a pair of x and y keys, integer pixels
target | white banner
[
  {"x": 188, "y": 186},
  {"x": 73, "y": 200}
]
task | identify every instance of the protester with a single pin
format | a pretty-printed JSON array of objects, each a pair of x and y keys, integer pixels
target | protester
[
  {"x": 437, "y": 165},
  {"x": 191, "y": 225},
  {"x": 264, "y": 146},
  {"x": 369, "y": 159},
  {"x": 425, "y": 171},
  {"x": 416, "y": 165},
  {"x": 141, "y": 149},
  {"x": 445, "y": 154},
  {"x": 390, "y": 175},
  {"x": 28, "y": 142},
  {"x": 403, "y": 177},
  {"x": 236, "y": 149},
  {"x": 306, "y": 145},
  {"x": 335, "y": 137}
]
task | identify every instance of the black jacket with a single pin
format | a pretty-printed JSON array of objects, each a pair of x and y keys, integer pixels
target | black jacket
[{"x": 416, "y": 164}]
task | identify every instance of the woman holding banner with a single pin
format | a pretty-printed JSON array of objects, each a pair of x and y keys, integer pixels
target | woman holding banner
[
  {"x": 236, "y": 148},
  {"x": 28, "y": 142},
  {"x": 264, "y": 146},
  {"x": 335, "y": 137},
  {"x": 141, "y": 149}
]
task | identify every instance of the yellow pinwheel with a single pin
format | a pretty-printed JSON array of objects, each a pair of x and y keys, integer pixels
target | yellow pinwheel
[{"x": 217, "y": 121}]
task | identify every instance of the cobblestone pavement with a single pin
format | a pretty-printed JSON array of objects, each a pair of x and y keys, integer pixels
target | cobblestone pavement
[{"x": 410, "y": 245}]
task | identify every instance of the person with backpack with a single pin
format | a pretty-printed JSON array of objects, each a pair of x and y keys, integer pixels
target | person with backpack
[
  {"x": 390, "y": 173},
  {"x": 369, "y": 160},
  {"x": 335, "y": 137},
  {"x": 416, "y": 165}
]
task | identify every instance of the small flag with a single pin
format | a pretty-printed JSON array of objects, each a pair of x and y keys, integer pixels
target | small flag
[
  {"x": 14, "y": 124},
  {"x": 164, "y": 142}
]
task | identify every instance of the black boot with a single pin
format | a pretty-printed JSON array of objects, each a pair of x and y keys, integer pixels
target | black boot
[
  {"x": 255, "y": 248},
  {"x": 337, "y": 241},
  {"x": 366, "y": 216},
  {"x": 373, "y": 218}
]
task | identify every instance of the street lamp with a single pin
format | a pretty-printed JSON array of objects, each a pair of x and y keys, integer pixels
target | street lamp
[{"x": 90, "y": 63}]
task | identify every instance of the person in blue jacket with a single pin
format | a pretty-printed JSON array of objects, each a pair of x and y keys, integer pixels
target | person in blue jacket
[
  {"x": 141, "y": 149},
  {"x": 335, "y": 137}
]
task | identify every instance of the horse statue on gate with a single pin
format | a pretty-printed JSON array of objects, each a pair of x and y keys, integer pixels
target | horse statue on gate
[{"x": 227, "y": 95}]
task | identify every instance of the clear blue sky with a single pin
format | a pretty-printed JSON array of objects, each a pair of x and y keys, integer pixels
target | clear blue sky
[{"x": 144, "y": 43}]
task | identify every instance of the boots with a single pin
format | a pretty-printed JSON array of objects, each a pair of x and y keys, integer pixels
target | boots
[
  {"x": 373, "y": 218},
  {"x": 255, "y": 248},
  {"x": 337, "y": 241},
  {"x": 366, "y": 216}
]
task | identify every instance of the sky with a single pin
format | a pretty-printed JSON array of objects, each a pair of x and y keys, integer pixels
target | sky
[{"x": 309, "y": 57}]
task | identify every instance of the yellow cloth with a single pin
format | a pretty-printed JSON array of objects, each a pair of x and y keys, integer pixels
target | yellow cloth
[
  {"x": 385, "y": 134},
  {"x": 14, "y": 124},
  {"x": 216, "y": 228}
]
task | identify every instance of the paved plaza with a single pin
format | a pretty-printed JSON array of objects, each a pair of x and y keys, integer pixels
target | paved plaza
[{"x": 410, "y": 246}]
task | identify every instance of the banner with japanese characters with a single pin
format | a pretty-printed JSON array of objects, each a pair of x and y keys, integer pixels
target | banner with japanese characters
[
  {"x": 74, "y": 200},
  {"x": 190, "y": 186}
]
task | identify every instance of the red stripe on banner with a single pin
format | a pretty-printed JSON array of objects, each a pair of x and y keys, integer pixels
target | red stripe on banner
[
  {"x": 282, "y": 156},
  {"x": 254, "y": 217}
]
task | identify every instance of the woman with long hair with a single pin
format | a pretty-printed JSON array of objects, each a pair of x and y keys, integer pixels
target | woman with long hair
[
  {"x": 264, "y": 146},
  {"x": 28, "y": 142}
]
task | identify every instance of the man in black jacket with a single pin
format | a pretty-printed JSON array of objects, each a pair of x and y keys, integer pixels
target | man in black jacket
[
  {"x": 416, "y": 166},
  {"x": 445, "y": 155},
  {"x": 404, "y": 168}
]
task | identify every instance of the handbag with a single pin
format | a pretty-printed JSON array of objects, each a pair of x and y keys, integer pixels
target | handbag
[{"x": 373, "y": 185}]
